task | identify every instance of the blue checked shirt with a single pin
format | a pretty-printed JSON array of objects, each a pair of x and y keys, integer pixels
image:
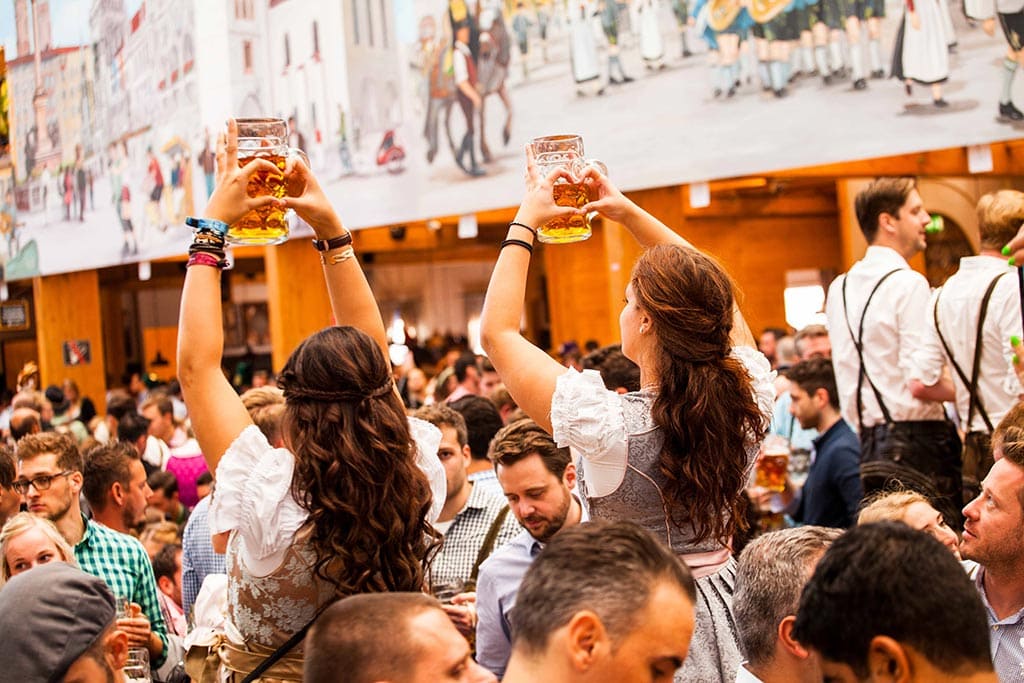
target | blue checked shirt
[
  {"x": 464, "y": 538},
  {"x": 197, "y": 556},
  {"x": 123, "y": 564},
  {"x": 1006, "y": 637}
]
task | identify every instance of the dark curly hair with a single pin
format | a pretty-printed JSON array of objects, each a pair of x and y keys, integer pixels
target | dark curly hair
[
  {"x": 355, "y": 469},
  {"x": 705, "y": 404}
]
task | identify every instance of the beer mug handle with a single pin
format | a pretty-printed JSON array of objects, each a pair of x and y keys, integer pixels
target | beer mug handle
[
  {"x": 298, "y": 153},
  {"x": 599, "y": 165}
]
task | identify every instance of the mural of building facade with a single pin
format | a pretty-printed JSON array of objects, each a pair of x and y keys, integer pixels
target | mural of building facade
[{"x": 414, "y": 109}]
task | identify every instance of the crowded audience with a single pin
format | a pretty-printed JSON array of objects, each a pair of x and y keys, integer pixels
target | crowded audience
[{"x": 542, "y": 514}]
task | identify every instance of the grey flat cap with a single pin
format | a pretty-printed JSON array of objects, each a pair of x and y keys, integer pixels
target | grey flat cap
[{"x": 49, "y": 616}]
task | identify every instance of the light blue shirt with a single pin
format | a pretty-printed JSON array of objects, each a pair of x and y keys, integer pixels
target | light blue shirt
[
  {"x": 787, "y": 426},
  {"x": 496, "y": 589},
  {"x": 1006, "y": 638},
  {"x": 198, "y": 558}
]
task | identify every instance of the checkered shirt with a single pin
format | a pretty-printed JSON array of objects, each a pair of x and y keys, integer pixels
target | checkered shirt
[
  {"x": 197, "y": 556},
  {"x": 465, "y": 536},
  {"x": 123, "y": 564}
]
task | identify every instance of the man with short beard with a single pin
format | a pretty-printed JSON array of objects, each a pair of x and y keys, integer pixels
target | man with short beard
[
  {"x": 537, "y": 478},
  {"x": 116, "y": 486},
  {"x": 994, "y": 538}
]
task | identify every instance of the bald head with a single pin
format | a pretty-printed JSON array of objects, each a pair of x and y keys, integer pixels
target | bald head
[{"x": 25, "y": 421}]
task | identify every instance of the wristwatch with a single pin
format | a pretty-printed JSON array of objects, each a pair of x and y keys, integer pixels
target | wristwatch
[{"x": 334, "y": 242}]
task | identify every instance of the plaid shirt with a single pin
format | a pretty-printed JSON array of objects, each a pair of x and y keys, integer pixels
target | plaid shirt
[
  {"x": 197, "y": 556},
  {"x": 123, "y": 564},
  {"x": 466, "y": 535}
]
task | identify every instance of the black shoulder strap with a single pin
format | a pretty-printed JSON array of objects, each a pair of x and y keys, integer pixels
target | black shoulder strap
[
  {"x": 287, "y": 647},
  {"x": 974, "y": 399},
  {"x": 488, "y": 545},
  {"x": 858, "y": 343}
]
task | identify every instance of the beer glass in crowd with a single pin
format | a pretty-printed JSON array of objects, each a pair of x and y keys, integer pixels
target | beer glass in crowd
[
  {"x": 773, "y": 464},
  {"x": 557, "y": 152},
  {"x": 264, "y": 138}
]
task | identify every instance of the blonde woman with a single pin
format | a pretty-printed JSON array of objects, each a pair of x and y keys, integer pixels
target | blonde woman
[
  {"x": 915, "y": 511},
  {"x": 28, "y": 541}
]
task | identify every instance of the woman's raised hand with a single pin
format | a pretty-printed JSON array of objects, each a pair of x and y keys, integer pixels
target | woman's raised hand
[
  {"x": 609, "y": 202},
  {"x": 304, "y": 194},
  {"x": 538, "y": 205},
  {"x": 230, "y": 200}
]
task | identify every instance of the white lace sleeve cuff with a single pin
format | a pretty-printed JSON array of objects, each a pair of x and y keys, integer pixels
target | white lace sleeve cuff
[
  {"x": 253, "y": 495},
  {"x": 428, "y": 440},
  {"x": 588, "y": 418},
  {"x": 762, "y": 377}
]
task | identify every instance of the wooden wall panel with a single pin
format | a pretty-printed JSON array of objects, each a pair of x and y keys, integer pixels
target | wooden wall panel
[
  {"x": 578, "y": 286},
  {"x": 164, "y": 340},
  {"x": 17, "y": 352},
  {"x": 68, "y": 308},
  {"x": 297, "y": 302}
]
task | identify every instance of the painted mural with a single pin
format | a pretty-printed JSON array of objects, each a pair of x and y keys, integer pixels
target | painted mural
[{"x": 416, "y": 109}]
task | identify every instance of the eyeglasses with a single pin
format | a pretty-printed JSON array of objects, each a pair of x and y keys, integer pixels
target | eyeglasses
[{"x": 41, "y": 483}]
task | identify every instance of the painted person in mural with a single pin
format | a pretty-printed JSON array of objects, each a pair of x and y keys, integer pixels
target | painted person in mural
[
  {"x": 583, "y": 58},
  {"x": 121, "y": 196},
  {"x": 1010, "y": 14},
  {"x": 921, "y": 54},
  {"x": 155, "y": 183},
  {"x": 609, "y": 11},
  {"x": 207, "y": 161},
  {"x": 464, "y": 62}
]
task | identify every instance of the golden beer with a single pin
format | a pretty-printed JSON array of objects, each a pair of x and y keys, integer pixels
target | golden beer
[
  {"x": 266, "y": 225},
  {"x": 566, "y": 229},
  {"x": 772, "y": 470},
  {"x": 556, "y": 152}
]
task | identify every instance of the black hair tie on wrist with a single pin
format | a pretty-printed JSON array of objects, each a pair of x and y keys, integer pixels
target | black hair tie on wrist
[{"x": 519, "y": 243}]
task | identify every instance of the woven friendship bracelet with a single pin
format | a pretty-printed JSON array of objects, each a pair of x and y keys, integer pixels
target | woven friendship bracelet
[
  {"x": 203, "y": 258},
  {"x": 336, "y": 258}
]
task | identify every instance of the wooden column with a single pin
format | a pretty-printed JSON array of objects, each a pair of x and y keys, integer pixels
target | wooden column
[
  {"x": 297, "y": 302},
  {"x": 578, "y": 290},
  {"x": 851, "y": 239},
  {"x": 67, "y": 308}
]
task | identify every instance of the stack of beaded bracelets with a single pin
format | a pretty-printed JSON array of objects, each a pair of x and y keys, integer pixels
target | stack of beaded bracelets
[{"x": 208, "y": 245}]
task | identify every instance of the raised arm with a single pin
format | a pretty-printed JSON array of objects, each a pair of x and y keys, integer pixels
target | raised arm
[
  {"x": 216, "y": 411},
  {"x": 528, "y": 372},
  {"x": 352, "y": 301},
  {"x": 649, "y": 232}
]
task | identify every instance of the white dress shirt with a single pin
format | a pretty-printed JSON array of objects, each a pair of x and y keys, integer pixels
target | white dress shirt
[
  {"x": 743, "y": 675},
  {"x": 893, "y": 328},
  {"x": 959, "y": 307}
]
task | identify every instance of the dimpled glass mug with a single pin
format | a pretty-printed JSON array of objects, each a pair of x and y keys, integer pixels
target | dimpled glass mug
[
  {"x": 264, "y": 138},
  {"x": 557, "y": 152}
]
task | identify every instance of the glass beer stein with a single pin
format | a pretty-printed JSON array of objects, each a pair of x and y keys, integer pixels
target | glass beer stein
[
  {"x": 772, "y": 466},
  {"x": 264, "y": 138},
  {"x": 565, "y": 151}
]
